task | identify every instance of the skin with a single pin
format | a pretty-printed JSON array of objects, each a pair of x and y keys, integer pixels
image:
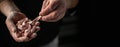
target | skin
[
  {"x": 13, "y": 14},
  {"x": 52, "y": 11}
]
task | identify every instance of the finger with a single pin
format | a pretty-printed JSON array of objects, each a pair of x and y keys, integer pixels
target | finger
[
  {"x": 35, "y": 29},
  {"x": 27, "y": 31},
  {"x": 31, "y": 37},
  {"x": 18, "y": 39},
  {"x": 26, "y": 25},
  {"x": 36, "y": 20},
  {"x": 25, "y": 21},
  {"x": 60, "y": 15},
  {"x": 52, "y": 5},
  {"x": 21, "y": 24},
  {"x": 37, "y": 23},
  {"x": 55, "y": 15},
  {"x": 24, "y": 37},
  {"x": 45, "y": 4},
  {"x": 57, "y": 18},
  {"x": 20, "y": 33}
]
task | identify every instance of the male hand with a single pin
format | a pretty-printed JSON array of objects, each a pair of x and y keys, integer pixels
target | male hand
[
  {"x": 21, "y": 35},
  {"x": 53, "y": 10}
]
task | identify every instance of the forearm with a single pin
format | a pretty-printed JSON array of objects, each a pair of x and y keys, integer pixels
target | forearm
[
  {"x": 8, "y": 8},
  {"x": 71, "y": 3}
]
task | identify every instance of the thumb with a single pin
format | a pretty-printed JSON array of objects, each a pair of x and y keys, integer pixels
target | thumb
[
  {"x": 49, "y": 8},
  {"x": 11, "y": 25}
]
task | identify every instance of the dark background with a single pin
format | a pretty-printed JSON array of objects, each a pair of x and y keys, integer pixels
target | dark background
[{"x": 79, "y": 30}]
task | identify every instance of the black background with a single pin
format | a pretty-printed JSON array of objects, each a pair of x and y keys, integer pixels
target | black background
[{"x": 87, "y": 26}]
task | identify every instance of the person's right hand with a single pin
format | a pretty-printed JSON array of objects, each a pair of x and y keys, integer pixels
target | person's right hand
[
  {"x": 53, "y": 10},
  {"x": 11, "y": 22}
]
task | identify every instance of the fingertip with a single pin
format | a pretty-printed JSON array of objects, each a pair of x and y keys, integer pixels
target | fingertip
[
  {"x": 37, "y": 23},
  {"x": 44, "y": 18},
  {"x": 34, "y": 35},
  {"x": 26, "y": 32},
  {"x": 37, "y": 28},
  {"x": 33, "y": 29},
  {"x": 40, "y": 14}
]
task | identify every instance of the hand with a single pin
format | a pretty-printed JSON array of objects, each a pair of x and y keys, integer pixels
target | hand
[
  {"x": 11, "y": 22},
  {"x": 53, "y": 10}
]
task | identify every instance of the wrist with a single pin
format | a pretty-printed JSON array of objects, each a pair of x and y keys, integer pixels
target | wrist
[
  {"x": 12, "y": 13},
  {"x": 71, "y": 3},
  {"x": 8, "y": 8}
]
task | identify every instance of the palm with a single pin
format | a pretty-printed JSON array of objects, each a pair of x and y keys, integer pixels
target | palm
[{"x": 17, "y": 34}]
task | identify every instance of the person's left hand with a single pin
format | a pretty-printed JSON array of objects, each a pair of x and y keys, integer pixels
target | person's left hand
[
  {"x": 53, "y": 10},
  {"x": 23, "y": 35}
]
